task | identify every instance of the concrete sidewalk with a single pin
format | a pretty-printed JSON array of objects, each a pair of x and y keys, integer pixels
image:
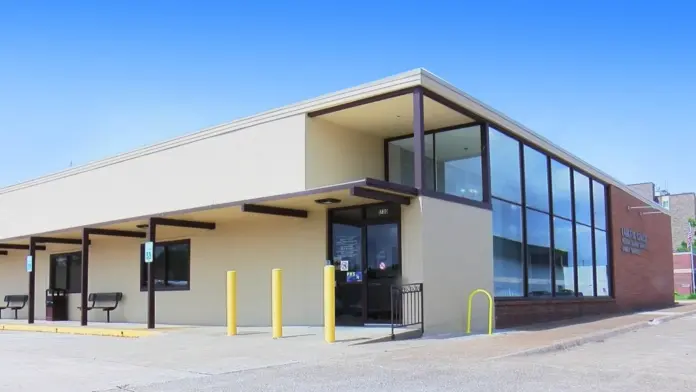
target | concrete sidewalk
[{"x": 556, "y": 336}]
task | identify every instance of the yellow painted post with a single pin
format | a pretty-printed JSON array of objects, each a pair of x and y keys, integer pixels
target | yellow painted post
[
  {"x": 277, "y": 296},
  {"x": 330, "y": 304},
  {"x": 231, "y": 303},
  {"x": 490, "y": 310}
]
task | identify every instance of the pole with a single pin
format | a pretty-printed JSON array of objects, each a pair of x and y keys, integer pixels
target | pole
[
  {"x": 693, "y": 275},
  {"x": 84, "y": 281},
  {"x": 277, "y": 306},
  {"x": 231, "y": 303},
  {"x": 32, "y": 281},
  {"x": 151, "y": 236},
  {"x": 329, "y": 304}
]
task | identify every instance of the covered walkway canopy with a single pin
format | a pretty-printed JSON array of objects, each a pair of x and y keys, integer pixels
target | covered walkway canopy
[{"x": 297, "y": 205}]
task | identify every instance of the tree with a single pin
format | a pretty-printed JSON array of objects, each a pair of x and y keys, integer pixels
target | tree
[{"x": 684, "y": 247}]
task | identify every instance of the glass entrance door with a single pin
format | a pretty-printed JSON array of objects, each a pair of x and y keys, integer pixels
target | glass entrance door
[
  {"x": 350, "y": 287},
  {"x": 383, "y": 269},
  {"x": 365, "y": 249}
]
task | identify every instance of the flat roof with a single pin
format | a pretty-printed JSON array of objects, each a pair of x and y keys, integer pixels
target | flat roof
[{"x": 409, "y": 79}]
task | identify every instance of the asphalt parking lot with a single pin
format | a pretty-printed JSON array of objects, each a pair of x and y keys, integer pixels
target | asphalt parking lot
[{"x": 655, "y": 358}]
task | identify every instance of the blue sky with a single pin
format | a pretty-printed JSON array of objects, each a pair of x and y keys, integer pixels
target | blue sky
[{"x": 611, "y": 81}]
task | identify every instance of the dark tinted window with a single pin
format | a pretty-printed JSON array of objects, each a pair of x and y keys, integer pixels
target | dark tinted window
[
  {"x": 171, "y": 266},
  {"x": 66, "y": 271}
]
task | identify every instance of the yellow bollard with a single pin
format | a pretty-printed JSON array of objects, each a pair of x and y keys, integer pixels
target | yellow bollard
[
  {"x": 330, "y": 304},
  {"x": 231, "y": 303},
  {"x": 277, "y": 297}
]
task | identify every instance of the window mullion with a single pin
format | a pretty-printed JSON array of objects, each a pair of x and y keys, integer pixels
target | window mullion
[{"x": 166, "y": 265}]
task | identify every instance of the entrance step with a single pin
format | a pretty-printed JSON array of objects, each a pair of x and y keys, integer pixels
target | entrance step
[{"x": 399, "y": 334}]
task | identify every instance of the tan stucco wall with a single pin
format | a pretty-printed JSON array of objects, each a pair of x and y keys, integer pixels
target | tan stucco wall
[
  {"x": 226, "y": 168},
  {"x": 448, "y": 247},
  {"x": 252, "y": 247},
  {"x": 336, "y": 155}
]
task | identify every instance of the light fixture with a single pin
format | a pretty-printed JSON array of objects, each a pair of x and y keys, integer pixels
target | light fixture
[{"x": 328, "y": 200}]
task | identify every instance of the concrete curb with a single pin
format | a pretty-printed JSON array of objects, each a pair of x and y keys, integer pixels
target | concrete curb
[
  {"x": 598, "y": 336},
  {"x": 121, "y": 333}
]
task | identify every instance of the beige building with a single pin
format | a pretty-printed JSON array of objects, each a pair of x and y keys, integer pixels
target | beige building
[{"x": 396, "y": 182}]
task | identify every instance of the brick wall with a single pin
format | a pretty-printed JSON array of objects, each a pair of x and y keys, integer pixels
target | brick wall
[
  {"x": 681, "y": 207},
  {"x": 646, "y": 189},
  {"x": 640, "y": 281},
  {"x": 682, "y": 273}
]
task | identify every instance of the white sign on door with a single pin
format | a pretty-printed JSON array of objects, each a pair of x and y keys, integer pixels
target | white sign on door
[{"x": 345, "y": 265}]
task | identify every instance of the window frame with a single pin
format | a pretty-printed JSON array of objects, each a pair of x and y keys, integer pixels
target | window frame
[
  {"x": 69, "y": 277},
  {"x": 572, "y": 219},
  {"x": 485, "y": 203},
  {"x": 165, "y": 287}
]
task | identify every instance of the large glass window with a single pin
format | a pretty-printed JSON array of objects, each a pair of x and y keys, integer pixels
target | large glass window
[
  {"x": 602, "y": 262},
  {"x": 574, "y": 266},
  {"x": 598, "y": 197},
  {"x": 507, "y": 249},
  {"x": 563, "y": 257},
  {"x": 171, "y": 266},
  {"x": 453, "y": 163},
  {"x": 536, "y": 181},
  {"x": 505, "y": 166},
  {"x": 585, "y": 270},
  {"x": 560, "y": 188},
  {"x": 458, "y": 162},
  {"x": 66, "y": 271},
  {"x": 402, "y": 161},
  {"x": 538, "y": 254},
  {"x": 583, "y": 210}
]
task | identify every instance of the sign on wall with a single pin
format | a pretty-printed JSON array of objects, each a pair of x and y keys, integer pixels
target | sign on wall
[
  {"x": 149, "y": 252},
  {"x": 633, "y": 242}
]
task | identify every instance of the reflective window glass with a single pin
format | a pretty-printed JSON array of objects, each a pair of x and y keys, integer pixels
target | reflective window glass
[
  {"x": 458, "y": 162},
  {"x": 601, "y": 255},
  {"x": 536, "y": 182},
  {"x": 402, "y": 159},
  {"x": 538, "y": 254},
  {"x": 560, "y": 186},
  {"x": 585, "y": 270},
  {"x": 563, "y": 257},
  {"x": 507, "y": 249},
  {"x": 598, "y": 195},
  {"x": 505, "y": 166},
  {"x": 583, "y": 212}
]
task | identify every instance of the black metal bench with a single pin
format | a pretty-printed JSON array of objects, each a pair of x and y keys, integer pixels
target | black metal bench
[
  {"x": 14, "y": 302},
  {"x": 104, "y": 301}
]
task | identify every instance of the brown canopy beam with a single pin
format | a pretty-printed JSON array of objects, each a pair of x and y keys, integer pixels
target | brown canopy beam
[
  {"x": 182, "y": 223},
  {"x": 378, "y": 195},
  {"x": 280, "y": 211},
  {"x": 53, "y": 240},
  {"x": 20, "y": 247}
]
